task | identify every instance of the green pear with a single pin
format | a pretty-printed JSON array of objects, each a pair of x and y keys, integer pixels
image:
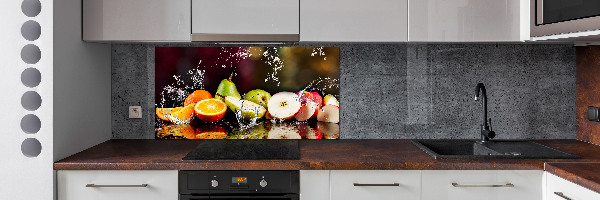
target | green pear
[
  {"x": 258, "y": 96},
  {"x": 227, "y": 88},
  {"x": 247, "y": 110}
]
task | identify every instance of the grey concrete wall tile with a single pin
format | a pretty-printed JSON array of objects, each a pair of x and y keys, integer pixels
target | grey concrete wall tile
[{"x": 393, "y": 91}]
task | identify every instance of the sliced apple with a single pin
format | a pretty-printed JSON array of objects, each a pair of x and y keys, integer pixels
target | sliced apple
[
  {"x": 329, "y": 113},
  {"x": 328, "y": 130},
  {"x": 284, "y": 105},
  {"x": 330, "y": 100},
  {"x": 307, "y": 111}
]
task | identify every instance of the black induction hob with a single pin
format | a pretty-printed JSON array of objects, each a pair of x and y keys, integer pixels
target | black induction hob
[{"x": 245, "y": 150}]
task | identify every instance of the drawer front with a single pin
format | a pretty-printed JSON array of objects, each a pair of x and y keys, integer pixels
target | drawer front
[
  {"x": 482, "y": 184},
  {"x": 566, "y": 189},
  {"x": 161, "y": 185},
  {"x": 408, "y": 184}
]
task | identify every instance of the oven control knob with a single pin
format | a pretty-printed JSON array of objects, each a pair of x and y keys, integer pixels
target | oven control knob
[
  {"x": 214, "y": 183},
  {"x": 263, "y": 183}
]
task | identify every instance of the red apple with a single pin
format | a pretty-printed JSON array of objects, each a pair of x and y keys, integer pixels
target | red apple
[
  {"x": 329, "y": 113},
  {"x": 308, "y": 111}
]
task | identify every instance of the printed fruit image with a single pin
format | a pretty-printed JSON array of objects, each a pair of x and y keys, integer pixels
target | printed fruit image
[
  {"x": 197, "y": 96},
  {"x": 182, "y": 116},
  {"x": 177, "y": 131},
  {"x": 244, "y": 108},
  {"x": 283, "y": 131},
  {"x": 212, "y": 131},
  {"x": 284, "y": 105},
  {"x": 227, "y": 88},
  {"x": 310, "y": 96},
  {"x": 328, "y": 130},
  {"x": 317, "y": 98},
  {"x": 258, "y": 96},
  {"x": 307, "y": 132},
  {"x": 308, "y": 111},
  {"x": 329, "y": 113},
  {"x": 268, "y": 115},
  {"x": 210, "y": 110},
  {"x": 311, "y": 102},
  {"x": 163, "y": 113},
  {"x": 212, "y": 135},
  {"x": 330, "y": 100},
  {"x": 256, "y": 132}
]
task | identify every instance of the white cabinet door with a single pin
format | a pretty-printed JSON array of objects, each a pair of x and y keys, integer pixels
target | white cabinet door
[
  {"x": 468, "y": 20},
  {"x": 136, "y": 20},
  {"x": 354, "y": 20},
  {"x": 314, "y": 184},
  {"x": 482, "y": 184},
  {"x": 561, "y": 189},
  {"x": 117, "y": 185},
  {"x": 238, "y": 20},
  {"x": 375, "y": 185}
]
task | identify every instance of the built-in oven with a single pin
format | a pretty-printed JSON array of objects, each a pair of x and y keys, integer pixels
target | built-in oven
[
  {"x": 555, "y": 17},
  {"x": 235, "y": 185}
]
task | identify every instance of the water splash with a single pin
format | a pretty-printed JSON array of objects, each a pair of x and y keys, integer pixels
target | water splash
[
  {"x": 321, "y": 84},
  {"x": 273, "y": 60}
]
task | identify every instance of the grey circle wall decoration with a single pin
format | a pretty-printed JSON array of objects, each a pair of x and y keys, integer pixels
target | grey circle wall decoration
[
  {"x": 31, "y": 54},
  {"x": 31, "y": 77},
  {"x": 31, "y": 30},
  {"x": 31, "y": 8},
  {"x": 31, "y": 100},
  {"x": 31, "y": 147},
  {"x": 31, "y": 124}
]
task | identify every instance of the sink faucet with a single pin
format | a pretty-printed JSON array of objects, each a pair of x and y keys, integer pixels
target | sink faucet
[{"x": 486, "y": 129}]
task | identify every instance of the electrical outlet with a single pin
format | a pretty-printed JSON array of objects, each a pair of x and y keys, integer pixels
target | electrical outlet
[{"x": 135, "y": 112}]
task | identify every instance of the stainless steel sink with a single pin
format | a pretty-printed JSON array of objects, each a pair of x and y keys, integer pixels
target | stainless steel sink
[{"x": 492, "y": 149}]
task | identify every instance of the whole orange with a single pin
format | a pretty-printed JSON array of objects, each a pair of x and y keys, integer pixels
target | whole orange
[
  {"x": 197, "y": 96},
  {"x": 210, "y": 110}
]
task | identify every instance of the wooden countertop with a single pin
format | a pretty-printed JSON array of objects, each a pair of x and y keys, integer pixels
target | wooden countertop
[
  {"x": 314, "y": 155},
  {"x": 581, "y": 173}
]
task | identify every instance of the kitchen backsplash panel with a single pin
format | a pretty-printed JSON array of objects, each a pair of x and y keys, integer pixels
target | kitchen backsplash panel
[{"x": 394, "y": 91}]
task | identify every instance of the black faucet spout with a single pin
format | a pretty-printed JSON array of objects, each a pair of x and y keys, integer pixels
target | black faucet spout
[{"x": 486, "y": 132}]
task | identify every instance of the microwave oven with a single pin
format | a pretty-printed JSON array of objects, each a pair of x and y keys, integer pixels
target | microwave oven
[{"x": 555, "y": 19}]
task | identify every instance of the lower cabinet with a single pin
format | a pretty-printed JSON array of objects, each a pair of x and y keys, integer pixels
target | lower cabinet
[
  {"x": 561, "y": 189},
  {"x": 482, "y": 184},
  {"x": 375, "y": 185},
  {"x": 117, "y": 185}
]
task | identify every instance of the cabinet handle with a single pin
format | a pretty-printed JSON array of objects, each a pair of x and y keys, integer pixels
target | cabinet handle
[
  {"x": 94, "y": 185},
  {"x": 505, "y": 185},
  {"x": 367, "y": 184},
  {"x": 560, "y": 194}
]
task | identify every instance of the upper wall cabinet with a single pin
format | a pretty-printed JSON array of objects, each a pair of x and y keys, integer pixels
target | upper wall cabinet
[
  {"x": 468, "y": 20},
  {"x": 136, "y": 20},
  {"x": 245, "y": 20},
  {"x": 354, "y": 20}
]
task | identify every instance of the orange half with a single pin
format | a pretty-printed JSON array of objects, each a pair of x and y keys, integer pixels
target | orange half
[
  {"x": 182, "y": 116},
  {"x": 210, "y": 110},
  {"x": 163, "y": 113}
]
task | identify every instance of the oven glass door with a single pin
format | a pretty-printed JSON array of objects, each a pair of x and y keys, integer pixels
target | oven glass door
[{"x": 554, "y": 11}]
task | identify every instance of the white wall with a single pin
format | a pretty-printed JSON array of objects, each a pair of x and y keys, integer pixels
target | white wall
[
  {"x": 82, "y": 84},
  {"x": 24, "y": 177}
]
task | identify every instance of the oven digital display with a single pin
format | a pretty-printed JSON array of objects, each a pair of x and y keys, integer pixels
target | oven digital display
[{"x": 239, "y": 180}]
